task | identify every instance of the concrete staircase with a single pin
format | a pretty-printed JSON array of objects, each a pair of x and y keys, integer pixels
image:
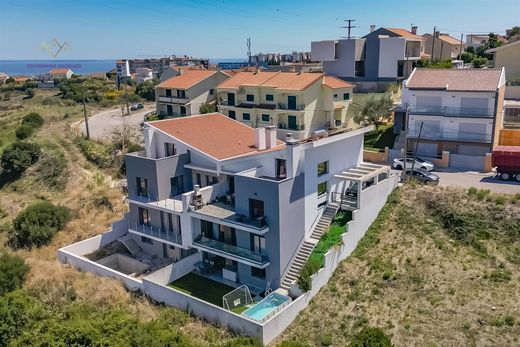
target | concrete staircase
[
  {"x": 308, "y": 245},
  {"x": 130, "y": 244}
]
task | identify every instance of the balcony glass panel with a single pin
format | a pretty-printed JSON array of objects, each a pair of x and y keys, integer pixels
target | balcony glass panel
[
  {"x": 453, "y": 111},
  {"x": 234, "y": 251}
]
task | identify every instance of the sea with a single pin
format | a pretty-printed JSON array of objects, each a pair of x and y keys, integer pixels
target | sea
[{"x": 80, "y": 67}]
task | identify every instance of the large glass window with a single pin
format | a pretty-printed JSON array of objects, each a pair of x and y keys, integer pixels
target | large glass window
[
  {"x": 142, "y": 186},
  {"x": 144, "y": 216},
  {"x": 322, "y": 188},
  {"x": 258, "y": 244},
  {"x": 323, "y": 168}
]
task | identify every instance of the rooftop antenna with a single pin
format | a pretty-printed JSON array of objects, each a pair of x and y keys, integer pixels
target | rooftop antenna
[
  {"x": 248, "y": 43},
  {"x": 349, "y": 26}
]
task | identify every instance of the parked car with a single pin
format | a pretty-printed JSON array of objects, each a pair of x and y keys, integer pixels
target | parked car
[
  {"x": 136, "y": 107},
  {"x": 419, "y": 164},
  {"x": 423, "y": 176}
]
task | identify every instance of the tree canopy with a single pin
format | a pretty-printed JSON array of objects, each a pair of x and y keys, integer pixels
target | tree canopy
[{"x": 375, "y": 111}]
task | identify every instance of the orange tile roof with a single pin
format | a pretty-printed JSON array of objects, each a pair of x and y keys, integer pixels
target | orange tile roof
[
  {"x": 59, "y": 71},
  {"x": 463, "y": 80},
  {"x": 277, "y": 80},
  {"x": 187, "y": 79},
  {"x": 21, "y": 78},
  {"x": 450, "y": 40},
  {"x": 404, "y": 33},
  {"x": 334, "y": 82},
  {"x": 214, "y": 134}
]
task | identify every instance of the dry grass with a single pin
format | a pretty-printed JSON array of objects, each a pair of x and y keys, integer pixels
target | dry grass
[{"x": 421, "y": 287}]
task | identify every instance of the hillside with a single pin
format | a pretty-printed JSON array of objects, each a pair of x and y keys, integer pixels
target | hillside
[{"x": 440, "y": 267}]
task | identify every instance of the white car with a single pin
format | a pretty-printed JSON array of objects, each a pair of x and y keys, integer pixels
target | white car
[{"x": 419, "y": 164}]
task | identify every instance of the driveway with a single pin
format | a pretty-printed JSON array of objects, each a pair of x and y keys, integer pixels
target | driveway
[{"x": 102, "y": 124}]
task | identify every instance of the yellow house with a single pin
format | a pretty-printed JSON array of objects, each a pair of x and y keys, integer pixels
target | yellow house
[
  {"x": 295, "y": 103},
  {"x": 507, "y": 56}
]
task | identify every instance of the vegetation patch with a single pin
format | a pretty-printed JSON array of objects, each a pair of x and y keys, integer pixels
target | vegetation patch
[
  {"x": 52, "y": 171},
  {"x": 202, "y": 288},
  {"x": 19, "y": 156},
  {"x": 98, "y": 153},
  {"x": 13, "y": 271}
]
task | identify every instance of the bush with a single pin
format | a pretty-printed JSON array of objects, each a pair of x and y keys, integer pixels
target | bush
[
  {"x": 19, "y": 156},
  {"x": 33, "y": 119},
  {"x": 479, "y": 62},
  {"x": 52, "y": 170},
  {"x": 29, "y": 92},
  {"x": 23, "y": 131},
  {"x": 37, "y": 224},
  {"x": 371, "y": 337},
  {"x": 13, "y": 271},
  {"x": 312, "y": 265},
  {"x": 97, "y": 153}
]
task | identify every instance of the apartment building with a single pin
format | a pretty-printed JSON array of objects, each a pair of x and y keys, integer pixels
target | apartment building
[
  {"x": 457, "y": 111},
  {"x": 442, "y": 46},
  {"x": 183, "y": 94},
  {"x": 299, "y": 104},
  {"x": 126, "y": 67},
  {"x": 381, "y": 57}
]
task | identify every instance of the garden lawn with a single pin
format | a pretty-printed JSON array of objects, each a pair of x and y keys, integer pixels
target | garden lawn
[{"x": 202, "y": 288}]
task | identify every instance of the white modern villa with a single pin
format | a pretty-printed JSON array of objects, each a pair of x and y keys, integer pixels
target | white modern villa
[{"x": 218, "y": 207}]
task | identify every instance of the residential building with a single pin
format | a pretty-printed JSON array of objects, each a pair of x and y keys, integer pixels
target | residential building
[
  {"x": 442, "y": 46},
  {"x": 60, "y": 73},
  {"x": 298, "y": 104},
  {"x": 507, "y": 57},
  {"x": 3, "y": 78},
  {"x": 143, "y": 74},
  {"x": 455, "y": 111},
  {"x": 127, "y": 67},
  {"x": 383, "y": 56},
  {"x": 477, "y": 40},
  {"x": 183, "y": 95},
  {"x": 123, "y": 68}
]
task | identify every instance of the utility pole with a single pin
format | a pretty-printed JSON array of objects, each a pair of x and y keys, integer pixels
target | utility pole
[
  {"x": 86, "y": 117},
  {"x": 433, "y": 43},
  {"x": 248, "y": 43},
  {"x": 126, "y": 97},
  {"x": 405, "y": 139},
  {"x": 416, "y": 146},
  {"x": 349, "y": 26}
]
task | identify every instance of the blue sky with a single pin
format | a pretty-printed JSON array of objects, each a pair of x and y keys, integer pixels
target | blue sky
[{"x": 219, "y": 28}]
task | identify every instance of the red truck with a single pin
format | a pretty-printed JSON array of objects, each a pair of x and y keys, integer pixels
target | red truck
[{"x": 506, "y": 159}]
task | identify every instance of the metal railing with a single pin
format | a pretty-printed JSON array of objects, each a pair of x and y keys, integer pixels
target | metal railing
[
  {"x": 168, "y": 235},
  {"x": 471, "y": 112},
  {"x": 284, "y": 106},
  {"x": 168, "y": 203},
  {"x": 298, "y": 127},
  {"x": 231, "y": 250},
  {"x": 173, "y": 99}
]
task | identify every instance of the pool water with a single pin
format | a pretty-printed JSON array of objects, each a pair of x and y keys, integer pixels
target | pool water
[{"x": 268, "y": 305}]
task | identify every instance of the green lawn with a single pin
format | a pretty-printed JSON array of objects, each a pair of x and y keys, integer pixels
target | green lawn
[
  {"x": 379, "y": 140},
  {"x": 202, "y": 288}
]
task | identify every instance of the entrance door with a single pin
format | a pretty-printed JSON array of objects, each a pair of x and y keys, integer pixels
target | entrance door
[
  {"x": 176, "y": 185},
  {"x": 291, "y": 102},
  {"x": 291, "y": 122},
  {"x": 231, "y": 99},
  {"x": 256, "y": 209},
  {"x": 169, "y": 110}
]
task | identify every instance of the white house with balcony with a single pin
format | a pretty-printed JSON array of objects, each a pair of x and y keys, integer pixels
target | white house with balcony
[
  {"x": 455, "y": 111},
  {"x": 182, "y": 95},
  {"x": 298, "y": 104}
]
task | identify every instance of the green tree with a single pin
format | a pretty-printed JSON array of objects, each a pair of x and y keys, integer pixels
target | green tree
[
  {"x": 146, "y": 90},
  {"x": 467, "y": 57},
  {"x": 207, "y": 108},
  {"x": 13, "y": 271},
  {"x": 510, "y": 33},
  {"x": 374, "y": 111},
  {"x": 19, "y": 156},
  {"x": 479, "y": 62}
]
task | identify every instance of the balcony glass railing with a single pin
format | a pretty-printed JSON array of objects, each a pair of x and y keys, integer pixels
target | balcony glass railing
[
  {"x": 453, "y": 111},
  {"x": 427, "y": 134},
  {"x": 232, "y": 251},
  {"x": 173, "y": 99},
  {"x": 172, "y": 236}
]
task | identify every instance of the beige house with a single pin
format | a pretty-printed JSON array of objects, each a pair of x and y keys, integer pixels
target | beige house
[
  {"x": 60, "y": 73},
  {"x": 183, "y": 95},
  {"x": 295, "y": 103},
  {"x": 508, "y": 57},
  {"x": 444, "y": 46}
]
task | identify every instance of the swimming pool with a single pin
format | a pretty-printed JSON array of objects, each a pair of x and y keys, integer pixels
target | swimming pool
[{"x": 267, "y": 307}]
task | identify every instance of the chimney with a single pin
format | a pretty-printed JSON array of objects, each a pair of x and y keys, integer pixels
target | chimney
[
  {"x": 437, "y": 34},
  {"x": 414, "y": 29},
  {"x": 260, "y": 138},
  {"x": 372, "y": 27},
  {"x": 270, "y": 136}
]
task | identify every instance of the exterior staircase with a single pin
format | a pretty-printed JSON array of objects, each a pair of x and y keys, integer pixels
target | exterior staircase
[
  {"x": 130, "y": 244},
  {"x": 308, "y": 245}
]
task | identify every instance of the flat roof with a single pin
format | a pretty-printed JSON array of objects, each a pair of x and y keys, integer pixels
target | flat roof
[{"x": 214, "y": 134}]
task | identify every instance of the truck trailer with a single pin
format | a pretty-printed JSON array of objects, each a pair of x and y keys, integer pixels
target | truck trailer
[{"x": 506, "y": 160}]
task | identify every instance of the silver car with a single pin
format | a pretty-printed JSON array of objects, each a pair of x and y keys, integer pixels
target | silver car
[{"x": 419, "y": 164}]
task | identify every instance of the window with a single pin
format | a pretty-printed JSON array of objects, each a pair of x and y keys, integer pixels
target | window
[
  {"x": 198, "y": 179},
  {"x": 144, "y": 216},
  {"x": 181, "y": 94},
  {"x": 346, "y": 96},
  {"x": 256, "y": 272},
  {"x": 258, "y": 244},
  {"x": 360, "y": 68},
  {"x": 323, "y": 168},
  {"x": 211, "y": 91},
  {"x": 232, "y": 114},
  {"x": 265, "y": 118},
  {"x": 183, "y": 110},
  {"x": 176, "y": 185},
  {"x": 168, "y": 92},
  {"x": 335, "y": 96},
  {"x": 246, "y": 116},
  {"x": 256, "y": 209},
  {"x": 250, "y": 97},
  {"x": 142, "y": 186},
  {"x": 146, "y": 240},
  {"x": 169, "y": 149},
  {"x": 269, "y": 97},
  {"x": 322, "y": 188},
  {"x": 281, "y": 168}
]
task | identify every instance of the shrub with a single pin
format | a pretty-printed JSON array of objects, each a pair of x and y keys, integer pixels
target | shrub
[
  {"x": 13, "y": 271},
  {"x": 37, "y": 224},
  {"x": 52, "y": 170},
  {"x": 29, "y": 92},
  {"x": 23, "y": 131},
  {"x": 312, "y": 265},
  {"x": 370, "y": 336},
  {"x": 33, "y": 119},
  {"x": 97, "y": 153},
  {"x": 19, "y": 156}
]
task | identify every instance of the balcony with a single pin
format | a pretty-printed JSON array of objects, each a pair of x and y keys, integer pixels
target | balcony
[
  {"x": 283, "y": 106},
  {"x": 173, "y": 204},
  {"x": 427, "y": 134},
  {"x": 444, "y": 111},
  {"x": 226, "y": 250},
  {"x": 159, "y": 234},
  {"x": 173, "y": 100},
  {"x": 297, "y": 127}
]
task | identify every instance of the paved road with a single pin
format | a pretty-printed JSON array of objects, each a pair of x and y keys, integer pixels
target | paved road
[
  {"x": 478, "y": 180},
  {"x": 103, "y": 124}
]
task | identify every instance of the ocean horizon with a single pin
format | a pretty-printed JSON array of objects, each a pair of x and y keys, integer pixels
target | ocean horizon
[{"x": 78, "y": 66}]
